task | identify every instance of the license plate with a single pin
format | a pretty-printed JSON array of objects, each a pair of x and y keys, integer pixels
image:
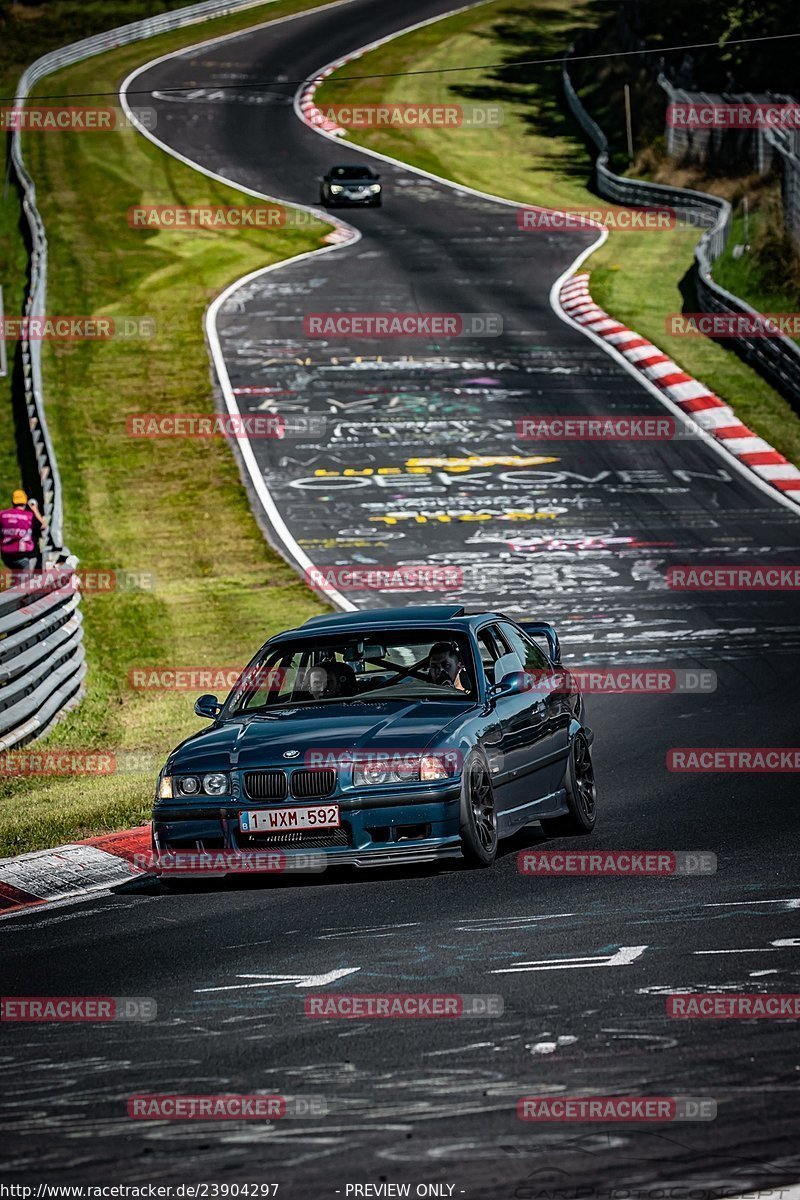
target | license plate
[{"x": 283, "y": 820}]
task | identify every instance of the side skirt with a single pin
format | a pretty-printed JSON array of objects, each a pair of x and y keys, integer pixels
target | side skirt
[{"x": 552, "y": 805}]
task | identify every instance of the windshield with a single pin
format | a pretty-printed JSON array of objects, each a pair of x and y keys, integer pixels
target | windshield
[
  {"x": 358, "y": 668},
  {"x": 351, "y": 173}
]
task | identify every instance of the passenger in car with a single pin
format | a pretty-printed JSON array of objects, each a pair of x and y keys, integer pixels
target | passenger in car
[{"x": 445, "y": 667}]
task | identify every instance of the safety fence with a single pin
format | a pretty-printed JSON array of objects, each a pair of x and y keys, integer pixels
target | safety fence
[
  {"x": 776, "y": 358},
  {"x": 765, "y": 148},
  {"x": 786, "y": 144},
  {"x": 42, "y": 661}
]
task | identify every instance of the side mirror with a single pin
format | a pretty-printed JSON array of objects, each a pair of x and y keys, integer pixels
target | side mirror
[
  {"x": 510, "y": 685},
  {"x": 207, "y": 706}
]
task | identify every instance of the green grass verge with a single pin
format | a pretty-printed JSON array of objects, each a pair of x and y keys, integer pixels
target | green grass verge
[
  {"x": 175, "y": 508},
  {"x": 763, "y": 273},
  {"x": 538, "y": 157}
]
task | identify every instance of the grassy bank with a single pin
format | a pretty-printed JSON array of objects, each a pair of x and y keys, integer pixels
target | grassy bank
[
  {"x": 537, "y": 156},
  {"x": 767, "y": 274},
  {"x": 174, "y": 508}
]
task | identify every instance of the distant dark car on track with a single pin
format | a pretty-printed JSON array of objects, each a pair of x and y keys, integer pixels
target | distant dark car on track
[
  {"x": 393, "y": 736},
  {"x": 350, "y": 185}
]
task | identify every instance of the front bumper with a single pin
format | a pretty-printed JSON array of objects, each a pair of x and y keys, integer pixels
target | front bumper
[
  {"x": 378, "y": 829},
  {"x": 352, "y": 201}
]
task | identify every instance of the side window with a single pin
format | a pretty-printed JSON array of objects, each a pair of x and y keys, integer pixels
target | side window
[
  {"x": 529, "y": 653},
  {"x": 490, "y": 650},
  {"x": 269, "y": 681}
]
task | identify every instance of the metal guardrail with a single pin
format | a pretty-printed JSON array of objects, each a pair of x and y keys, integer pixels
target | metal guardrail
[
  {"x": 42, "y": 659},
  {"x": 776, "y": 358}
]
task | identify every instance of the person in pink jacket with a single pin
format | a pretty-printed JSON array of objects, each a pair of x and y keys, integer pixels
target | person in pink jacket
[{"x": 20, "y": 527}]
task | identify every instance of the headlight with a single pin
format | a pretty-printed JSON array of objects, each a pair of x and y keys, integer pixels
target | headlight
[
  {"x": 216, "y": 783},
  {"x": 336, "y": 188},
  {"x": 406, "y": 768},
  {"x": 375, "y": 188},
  {"x": 398, "y": 770}
]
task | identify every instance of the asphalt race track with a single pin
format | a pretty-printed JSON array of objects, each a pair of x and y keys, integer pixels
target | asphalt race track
[{"x": 583, "y": 965}]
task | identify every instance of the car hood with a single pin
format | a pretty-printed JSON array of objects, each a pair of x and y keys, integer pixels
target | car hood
[{"x": 259, "y": 740}]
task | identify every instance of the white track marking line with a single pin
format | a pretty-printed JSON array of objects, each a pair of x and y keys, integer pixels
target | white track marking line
[
  {"x": 300, "y": 981},
  {"x": 622, "y": 958}
]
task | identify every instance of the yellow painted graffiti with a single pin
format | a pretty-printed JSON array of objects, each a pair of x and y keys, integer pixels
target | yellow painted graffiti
[
  {"x": 446, "y": 517},
  {"x": 479, "y": 460},
  {"x": 426, "y": 466}
]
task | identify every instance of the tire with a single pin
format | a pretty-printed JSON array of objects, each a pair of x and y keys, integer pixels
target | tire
[
  {"x": 581, "y": 794},
  {"x": 478, "y": 815}
]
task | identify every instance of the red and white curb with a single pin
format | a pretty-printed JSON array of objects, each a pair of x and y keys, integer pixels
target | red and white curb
[
  {"x": 71, "y": 871},
  {"x": 710, "y": 413},
  {"x": 312, "y": 115}
]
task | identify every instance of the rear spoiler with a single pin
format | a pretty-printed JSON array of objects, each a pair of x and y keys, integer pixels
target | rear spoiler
[{"x": 543, "y": 629}]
